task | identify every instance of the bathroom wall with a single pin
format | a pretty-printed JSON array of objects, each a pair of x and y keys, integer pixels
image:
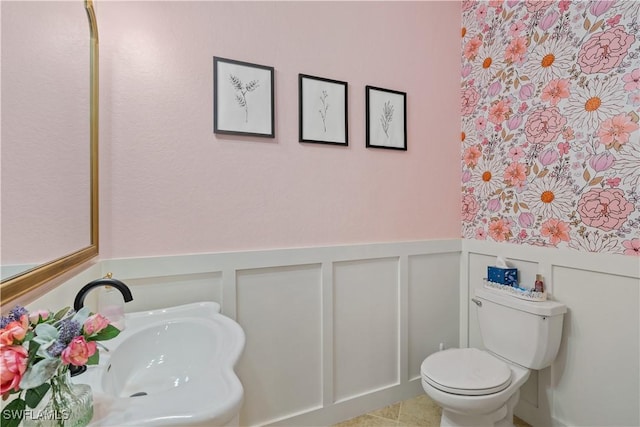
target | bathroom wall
[
  {"x": 551, "y": 146},
  {"x": 169, "y": 185}
]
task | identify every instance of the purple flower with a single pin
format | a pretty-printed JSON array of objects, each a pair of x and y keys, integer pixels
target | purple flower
[
  {"x": 495, "y": 88},
  {"x": 602, "y": 162},
  {"x": 526, "y": 91},
  {"x": 56, "y": 349},
  {"x": 466, "y": 176},
  {"x": 514, "y": 122},
  {"x": 17, "y": 312},
  {"x": 548, "y": 20},
  {"x": 494, "y": 205},
  {"x": 599, "y": 7},
  {"x": 69, "y": 329},
  {"x": 466, "y": 70},
  {"x": 548, "y": 156},
  {"x": 526, "y": 220}
]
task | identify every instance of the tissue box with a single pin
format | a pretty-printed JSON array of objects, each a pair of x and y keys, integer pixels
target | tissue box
[{"x": 504, "y": 276}]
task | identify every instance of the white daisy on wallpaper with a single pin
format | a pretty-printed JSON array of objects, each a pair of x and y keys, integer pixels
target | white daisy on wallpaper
[
  {"x": 486, "y": 177},
  {"x": 594, "y": 242},
  {"x": 588, "y": 106},
  {"x": 469, "y": 28},
  {"x": 487, "y": 63},
  {"x": 549, "y": 197},
  {"x": 468, "y": 134},
  {"x": 627, "y": 164},
  {"x": 550, "y": 60}
]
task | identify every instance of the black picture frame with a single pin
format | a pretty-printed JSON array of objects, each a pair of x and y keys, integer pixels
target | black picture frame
[
  {"x": 323, "y": 110},
  {"x": 243, "y": 98},
  {"x": 383, "y": 129}
]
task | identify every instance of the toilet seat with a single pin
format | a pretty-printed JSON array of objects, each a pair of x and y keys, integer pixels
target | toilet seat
[{"x": 466, "y": 371}]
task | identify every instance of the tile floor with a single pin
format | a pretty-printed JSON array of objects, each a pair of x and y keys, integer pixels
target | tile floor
[{"x": 420, "y": 411}]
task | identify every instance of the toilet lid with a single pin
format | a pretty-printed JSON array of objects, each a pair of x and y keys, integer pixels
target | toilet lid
[{"x": 466, "y": 371}]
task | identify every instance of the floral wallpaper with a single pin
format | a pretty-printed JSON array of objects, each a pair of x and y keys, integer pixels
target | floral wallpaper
[{"x": 550, "y": 136}]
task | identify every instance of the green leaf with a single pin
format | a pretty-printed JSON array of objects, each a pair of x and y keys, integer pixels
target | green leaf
[
  {"x": 59, "y": 315},
  {"x": 106, "y": 334},
  {"x": 33, "y": 349},
  {"x": 12, "y": 413},
  {"x": 95, "y": 359},
  {"x": 39, "y": 373},
  {"x": 46, "y": 333},
  {"x": 35, "y": 395},
  {"x": 82, "y": 315}
]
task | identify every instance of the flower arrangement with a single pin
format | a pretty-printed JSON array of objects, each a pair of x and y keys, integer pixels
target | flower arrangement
[{"x": 37, "y": 348}]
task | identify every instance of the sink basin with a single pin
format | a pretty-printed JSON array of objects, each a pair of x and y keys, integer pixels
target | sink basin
[{"x": 173, "y": 366}]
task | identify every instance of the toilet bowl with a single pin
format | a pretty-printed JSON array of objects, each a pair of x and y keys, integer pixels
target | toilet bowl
[
  {"x": 480, "y": 388},
  {"x": 473, "y": 387}
]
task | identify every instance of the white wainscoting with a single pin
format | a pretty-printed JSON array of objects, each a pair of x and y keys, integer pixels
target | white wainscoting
[
  {"x": 595, "y": 380},
  {"x": 332, "y": 332}
]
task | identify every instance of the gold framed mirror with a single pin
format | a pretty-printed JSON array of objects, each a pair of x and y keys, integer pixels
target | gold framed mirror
[{"x": 14, "y": 285}]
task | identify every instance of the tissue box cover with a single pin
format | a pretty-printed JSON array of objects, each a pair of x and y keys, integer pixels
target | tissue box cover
[{"x": 504, "y": 276}]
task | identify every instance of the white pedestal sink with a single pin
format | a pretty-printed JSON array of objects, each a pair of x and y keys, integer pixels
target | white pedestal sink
[{"x": 172, "y": 366}]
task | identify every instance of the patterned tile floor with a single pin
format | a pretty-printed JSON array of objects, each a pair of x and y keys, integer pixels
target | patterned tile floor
[{"x": 420, "y": 411}]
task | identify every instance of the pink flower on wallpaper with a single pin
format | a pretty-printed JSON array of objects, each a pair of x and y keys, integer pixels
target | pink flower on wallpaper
[
  {"x": 601, "y": 162},
  {"x": 544, "y": 125},
  {"x": 605, "y": 50},
  {"x": 613, "y": 182},
  {"x": 634, "y": 98},
  {"x": 467, "y": 5},
  {"x": 515, "y": 173},
  {"x": 557, "y": 231},
  {"x": 548, "y": 157},
  {"x": 471, "y": 156},
  {"x": 563, "y": 5},
  {"x": 526, "y": 91},
  {"x": 481, "y": 12},
  {"x": 632, "y": 80},
  {"x": 516, "y": 50},
  {"x": 494, "y": 205},
  {"x": 499, "y": 230},
  {"x": 526, "y": 219},
  {"x": 537, "y": 5},
  {"x": 563, "y": 148},
  {"x": 616, "y": 131},
  {"x": 568, "y": 134},
  {"x": 481, "y": 123},
  {"x": 548, "y": 20},
  {"x": 614, "y": 21},
  {"x": 516, "y": 28},
  {"x": 495, "y": 88},
  {"x": 514, "y": 122},
  {"x": 516, "y": 153},
  {"x": 481, "y": 234},
  {"x": 499, "y": 111},
  {"x": 470, "y": 207},
  {"x": 606, "y": 209},
  {"x": 470, "y": 98},
  {"x": 472, "y": 47},
  {"x": 466, "y": 176},
  {"x": 555, "y": 90},
  {"x": 600, "y": 7},
  {"x": 466, "y": 70},
  {"x": 631, "y": 247}
]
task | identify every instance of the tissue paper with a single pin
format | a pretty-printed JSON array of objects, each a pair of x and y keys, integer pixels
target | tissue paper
[{"x": 502, "y": 273}]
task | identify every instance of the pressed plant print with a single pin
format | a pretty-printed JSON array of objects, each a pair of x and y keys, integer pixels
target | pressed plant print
[
  {"x": 323, "y": 109},
  {"x": 241, "y": 92},
  {"x": 550, "y": 103},
  {"x": 386, "y": 117}
]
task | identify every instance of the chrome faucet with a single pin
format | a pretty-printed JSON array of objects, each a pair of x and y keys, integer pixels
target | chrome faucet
[{"x": 78, "y": 303}]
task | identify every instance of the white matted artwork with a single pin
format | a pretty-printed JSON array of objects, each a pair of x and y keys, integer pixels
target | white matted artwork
[
  {"x": 386, "y": 117},
  {"x": 322, "y": 108},
  {"x": 243, "y": 98}
]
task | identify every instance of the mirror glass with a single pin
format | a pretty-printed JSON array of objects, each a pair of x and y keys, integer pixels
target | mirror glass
[{"x": 46, "y": 164}]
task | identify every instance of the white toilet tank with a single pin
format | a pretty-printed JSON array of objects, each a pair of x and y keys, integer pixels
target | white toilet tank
[{"x": 525, "y": 332}]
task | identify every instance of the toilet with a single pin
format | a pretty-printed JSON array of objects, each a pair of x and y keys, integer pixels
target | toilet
[{"x": 481, "y": 387}]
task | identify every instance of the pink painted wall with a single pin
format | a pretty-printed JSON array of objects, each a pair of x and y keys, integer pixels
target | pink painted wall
[
  {"x": 170, "y": 186},
  {"x": 551, "y": 141}
]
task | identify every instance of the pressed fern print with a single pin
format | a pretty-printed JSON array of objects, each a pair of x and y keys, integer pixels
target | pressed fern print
[
  {"x": 241, "y": 92},
  {"x": 386, "y": 117}
]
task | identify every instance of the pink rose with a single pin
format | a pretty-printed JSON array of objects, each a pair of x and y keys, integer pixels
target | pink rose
[
  {"x": 37, "y": 316},
  {"x": 13, "y": 363},
  {"x": 632, "y": 247},
  {"x": 526, "y": 219},
  {"x": 602, "y": 162},
  {"x": 600, "y": 7},
  {"x": 95, "y": 324},
  {"x": 470, "y": 207},
  {"x": 605, "y": 50},
  {"x": 78, "y": 352},
  {"x": 470, "y": 98},
  {"x": 606, "y": 209},
  {"x": 544, "y": 125},
  {"x": 14, "y": 331},
  {"x": 538, "y": 5}
]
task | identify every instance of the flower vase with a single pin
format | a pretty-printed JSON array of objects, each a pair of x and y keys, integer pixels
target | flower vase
[{"x": 65, "y": 405}]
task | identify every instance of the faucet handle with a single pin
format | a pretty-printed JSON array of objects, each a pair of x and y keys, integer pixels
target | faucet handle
[{"x": 109, "y": 275}]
